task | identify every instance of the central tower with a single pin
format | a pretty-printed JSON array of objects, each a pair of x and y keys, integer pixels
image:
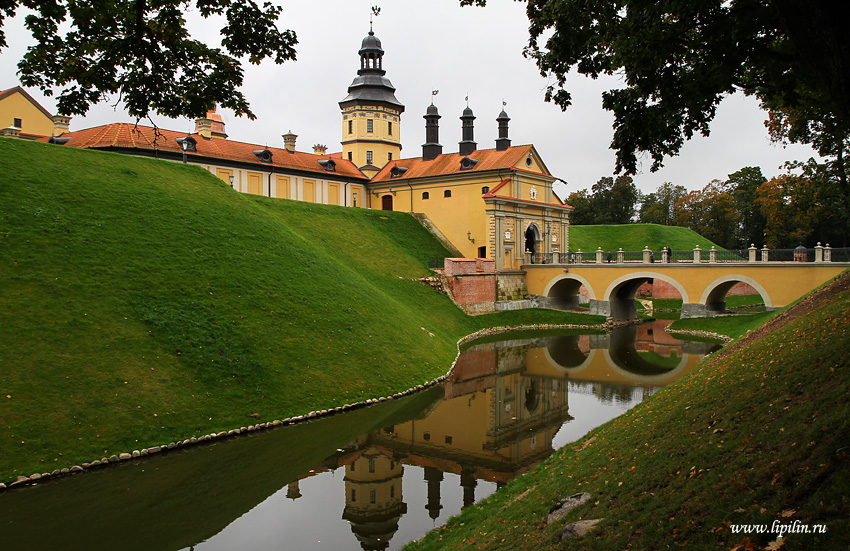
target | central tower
[{"x": 371, "y": 114}]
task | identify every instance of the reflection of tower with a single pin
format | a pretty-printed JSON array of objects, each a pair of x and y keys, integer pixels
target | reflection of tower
[
  {"x": 433, "y": 476},
  {"x": 468, "y": 482},
  {"x": 293, "y": 492},
  {"x": 373, "y": 500}
]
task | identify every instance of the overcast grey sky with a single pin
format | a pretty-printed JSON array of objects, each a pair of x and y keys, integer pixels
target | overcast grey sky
[{"x": 475, "y": 52}]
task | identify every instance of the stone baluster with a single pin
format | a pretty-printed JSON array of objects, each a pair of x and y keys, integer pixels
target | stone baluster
[
  {"x": 599, "y": 254},
  {"x": 764, "y": 255},
  {"x": 697, "y": 253},
  {"x": 827, "y": 253},
  {"x": 646, "y": 253},
  {"x": 712, "y": 255},
  {"x": 620, "y": 256},
  {"x": 818, "y": 252},
  {"x": 752, "y": 249}
]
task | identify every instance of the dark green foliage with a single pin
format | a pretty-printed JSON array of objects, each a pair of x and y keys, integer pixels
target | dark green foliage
[
  {"x": 612, "y": 201},
  {"x": 141, "y": 50}
]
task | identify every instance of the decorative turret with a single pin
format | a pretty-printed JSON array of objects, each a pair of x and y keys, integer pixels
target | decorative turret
[
  {"x": 431, "y": 149},
  {"x": 371, "y": 114},
  {"x": 503, "y": 142},
  {"x": 467, "y": 145}
]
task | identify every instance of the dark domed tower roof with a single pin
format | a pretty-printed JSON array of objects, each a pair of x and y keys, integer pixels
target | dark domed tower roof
[
  {"x": 371, "y": 44},
  {"x": 370, "y": 85}
]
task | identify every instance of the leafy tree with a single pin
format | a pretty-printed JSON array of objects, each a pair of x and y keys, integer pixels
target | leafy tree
[
  {"x": 803, "y": 207},
  {"x": 614, "y": 200},
  {"x": 679, "y": 58},
  {"x": 142, "y": 51},
  {"x": 711, "y": 213},
  {"x": 660, "y": 207},
  {"x": 582, "y": 203},
  {"x": 743, "y": 186}
]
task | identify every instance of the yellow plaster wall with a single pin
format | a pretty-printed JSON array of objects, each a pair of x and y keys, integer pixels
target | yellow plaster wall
[
  {"x": 33, "y": 120},
  {"x": 460, "y": 217},
  {"x": 381, "y": 117},
  {"x": 282, "y": 186}
]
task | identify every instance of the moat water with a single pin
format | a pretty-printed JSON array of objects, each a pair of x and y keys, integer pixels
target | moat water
[{"x": 374, "y": 478}]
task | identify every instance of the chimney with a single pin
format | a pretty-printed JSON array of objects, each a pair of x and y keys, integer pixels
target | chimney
[
  {"x": 289, "y": 141},
  {"x": 467, "y": 145},
  {"x": 503, "y": 142},
  {"x": 61, "y": 124},
  {"x": 203, "y": 127},
  {"x": 432, "y": 149},
  {"x": 319, "y": 149}
]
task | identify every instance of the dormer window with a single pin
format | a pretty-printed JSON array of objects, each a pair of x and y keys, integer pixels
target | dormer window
[
  {"x": 468, "y": 164},
  {"x": 187, "y": 144},
  {"x": 329, "y": 165},
  {"x": 397, "y": 171},
  {"x": 263, "y": 155}
]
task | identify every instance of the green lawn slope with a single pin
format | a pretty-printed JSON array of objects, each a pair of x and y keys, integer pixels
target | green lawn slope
[
  {"x": 634, "y": 237},
  {"x": 144, "y": 301},
  {"x": 758, "y": 435}
]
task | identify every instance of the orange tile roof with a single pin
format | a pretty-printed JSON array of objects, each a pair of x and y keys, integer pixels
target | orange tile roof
[
  {"x": 130, "y": 136},
  {"x": 449, "y": 163}
]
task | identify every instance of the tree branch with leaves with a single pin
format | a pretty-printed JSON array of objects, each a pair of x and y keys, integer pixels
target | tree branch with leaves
[{"x": 142, "y": 51}]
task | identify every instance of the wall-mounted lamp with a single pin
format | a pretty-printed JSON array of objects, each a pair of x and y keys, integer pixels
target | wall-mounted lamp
[
  {"x": 231, "y": 180},
  {"x": 469, "y": 236}
]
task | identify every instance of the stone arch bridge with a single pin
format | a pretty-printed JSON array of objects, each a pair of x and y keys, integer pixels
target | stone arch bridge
[{"x": 703, "y": 286}]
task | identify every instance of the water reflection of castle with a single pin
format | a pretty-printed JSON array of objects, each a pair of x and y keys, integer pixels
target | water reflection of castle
[{"x": 502, "y": 408}]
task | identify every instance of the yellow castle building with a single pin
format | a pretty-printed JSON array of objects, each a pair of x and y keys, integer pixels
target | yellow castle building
[{"x": 493, "y": 203}]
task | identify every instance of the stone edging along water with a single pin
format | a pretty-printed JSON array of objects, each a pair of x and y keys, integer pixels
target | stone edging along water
[{"x": 308, "y": 417}]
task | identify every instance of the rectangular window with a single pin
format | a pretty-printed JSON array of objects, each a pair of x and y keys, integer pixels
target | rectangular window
[
  {"x": 389, "y": 128},
  {"x": 350, "y": 157},
  {"x": 369, "y": 125},
  {"x": 372, "y": 496},
  {"x": 351, "y": 127},
  {"x": 390, "y": 156},
  {"x": 368, "y": 157},
  {"x": 18, "y": 123}
]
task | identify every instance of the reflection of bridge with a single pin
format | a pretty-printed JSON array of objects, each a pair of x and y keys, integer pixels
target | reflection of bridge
[{"x": 703, "y": 286}]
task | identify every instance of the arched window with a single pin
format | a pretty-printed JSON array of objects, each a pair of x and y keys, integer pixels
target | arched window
[
  {"x": 426, "y": 195},
  {"x": 485, "y": 189},
  {"x": 447, "y": 193}
]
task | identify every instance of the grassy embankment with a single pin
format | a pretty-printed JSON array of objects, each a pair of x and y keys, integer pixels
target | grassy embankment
[
  {"x": 145, "y": 302},
  {"x": 634, "y": 237},
  {"x": 758, "y": 434}
]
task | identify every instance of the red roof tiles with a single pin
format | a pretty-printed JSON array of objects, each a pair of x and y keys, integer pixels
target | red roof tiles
[
  {"x": 128, "y": 135},
  {"x": 449, "y": 163}
]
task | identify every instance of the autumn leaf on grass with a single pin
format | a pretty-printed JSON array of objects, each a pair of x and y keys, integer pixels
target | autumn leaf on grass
[
  {"x": 775, "y": 544},
  {"x": 787, "y": 513}
]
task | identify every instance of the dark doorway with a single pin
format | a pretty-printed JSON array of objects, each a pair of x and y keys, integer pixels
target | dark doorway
[
  {"x": 387, "y": 202},
  {"x": 482, "y": 252},
  {"x": 530, "y": 241}
]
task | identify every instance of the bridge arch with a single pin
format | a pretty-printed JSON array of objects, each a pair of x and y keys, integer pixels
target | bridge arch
[
  {"x": 563, "y": 291},
  {"x": 565, "y": 355},
  {"x": 620, "y": 294},
  {"x": 714, "y": 295}
]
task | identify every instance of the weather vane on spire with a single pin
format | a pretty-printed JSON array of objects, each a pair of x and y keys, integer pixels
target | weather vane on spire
[
  {"x": 376, "y": 11},
  {"x": 434, "y": 93}
]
